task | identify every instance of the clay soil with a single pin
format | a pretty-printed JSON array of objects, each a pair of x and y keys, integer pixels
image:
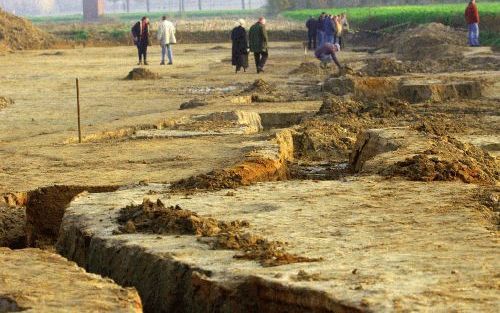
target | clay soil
[{"x": 156, "y": 218}]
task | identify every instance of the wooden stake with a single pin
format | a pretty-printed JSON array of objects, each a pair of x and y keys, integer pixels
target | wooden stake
[{"x": 78, "y": 110}]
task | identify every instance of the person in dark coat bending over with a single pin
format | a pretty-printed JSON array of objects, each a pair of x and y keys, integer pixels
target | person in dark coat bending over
[
  {"x": 326, "y": 54},
  {"x": 312, "y": 32},
  {"x": 257, "y": 36},
  {"x": 240, "y": 46},
  {"x": 140, "y": 35}
]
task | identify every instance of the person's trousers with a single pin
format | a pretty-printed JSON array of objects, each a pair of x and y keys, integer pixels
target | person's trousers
[
  {"x": 311, "y": 42},
  {"x": 321, "y": 38},
  {"x": 260, "y": 59},
  {"x": 474, "y": 34},
  {"x": 167, "y": 50},
  {"x": 329, "y": 38},
  {"x": 142, "y": 50}
]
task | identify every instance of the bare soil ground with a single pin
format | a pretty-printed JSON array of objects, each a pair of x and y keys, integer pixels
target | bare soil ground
[{"x": 134, "y": 133}]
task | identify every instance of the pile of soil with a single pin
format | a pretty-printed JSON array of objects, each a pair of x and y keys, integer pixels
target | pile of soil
[
  {"x": 260, "y": 86},
  {"x": 430, "y": 41},
  {"x": 5, "y": 102},
  {"x": 387, "y": 67},
  {"x": 449, "y": 160},
  {"x": 140, "y": 73},
  {"x": 19, "y": 34},
  {"x": 154, "y": 217},
  {"x": 344, "y": 106},
  {"x": 309, "y": 68},
  {"x": 193, "y": 103},
  {"x": 214, "y": 180}
]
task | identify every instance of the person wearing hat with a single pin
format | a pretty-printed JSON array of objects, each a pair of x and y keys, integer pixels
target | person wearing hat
[
  {"x": 326, "y": 54},
  {"x": 166, "y": 37},
  {"x": 257, "y": 36},
  {"x": 240, "y": 46}
]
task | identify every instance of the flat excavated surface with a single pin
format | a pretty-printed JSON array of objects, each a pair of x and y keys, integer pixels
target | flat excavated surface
[
  {"x": 36, "y": 129},
  {"x": 33, "y": 280},
  {"x": 387, "y": 245}
]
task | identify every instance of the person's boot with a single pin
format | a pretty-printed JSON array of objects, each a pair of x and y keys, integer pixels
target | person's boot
[
  {"x": 146, "y": 62},
  {"x": 140, "y": 62},
  {"x": 162, "y": 63}
]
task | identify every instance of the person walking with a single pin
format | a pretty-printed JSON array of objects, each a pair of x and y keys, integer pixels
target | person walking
[
  {"x": 312, "y": 32},
  {"x": 472, "y": 19},
  {"x": 320, "y": 29},
  {"x": 257, "y": 36},
  {"x": 240, "y": 46},
  {"x": 166, "y": 37},
  {"x": 327, "y": 54},
  {"x": 141, "y": 37}
]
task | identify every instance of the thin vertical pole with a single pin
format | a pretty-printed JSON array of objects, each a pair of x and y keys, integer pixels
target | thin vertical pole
[{"x": 78, "y": 110}]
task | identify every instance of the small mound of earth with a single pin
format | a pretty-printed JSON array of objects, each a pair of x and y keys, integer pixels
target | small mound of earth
[
  {"x": 154, "y": 217},
  {"x": 193, "y": 103},
  {"x": 389, "y": 107},
  {"x": 386, "y": 67},
  {"x": 19, "y": 34},
  {"x": 449, "y": 160},
  {"x": 140, "y": 73},
  {"x": 429, "y": 41},
  {"x": 218, "y": 48},
  {"x": 310, "y": 68},
  {"x": 214, "y": 180},
  {"x": 260, "y": 86},
  {"x": 5, "y": 102}
]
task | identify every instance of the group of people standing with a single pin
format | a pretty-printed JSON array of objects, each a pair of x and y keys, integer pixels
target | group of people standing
[
  {"x": 326, "y": 28},
  {"x": 257, "y": 43},
  {"x": 141, "y": 35}
]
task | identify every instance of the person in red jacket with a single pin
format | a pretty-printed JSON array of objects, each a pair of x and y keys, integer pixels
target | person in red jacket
[{"x": 472, "y": 19}]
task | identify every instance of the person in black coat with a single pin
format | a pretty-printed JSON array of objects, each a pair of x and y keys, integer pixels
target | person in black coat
[
  {"x": 240, "y": 46},
  {"x": 312, "y": 32},
  {"x": 141, "y": 37}
]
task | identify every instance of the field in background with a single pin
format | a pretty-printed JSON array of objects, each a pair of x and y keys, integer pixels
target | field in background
[
  {"x": 374, "y": 18},
  {"x": 134, "y": 16}
]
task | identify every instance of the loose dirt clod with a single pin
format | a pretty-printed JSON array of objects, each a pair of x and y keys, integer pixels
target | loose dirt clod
[
  {"x": 193, "y": 103},
  {"x": 140, "y": 73},
  {"x": 260, "y": 86},
  {"x": 5, "y": 102},
  {"x": 154, "y": 217}
]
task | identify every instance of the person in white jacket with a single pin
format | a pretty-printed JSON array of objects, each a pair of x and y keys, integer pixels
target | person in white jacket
[{"x": 166, "y": 37}]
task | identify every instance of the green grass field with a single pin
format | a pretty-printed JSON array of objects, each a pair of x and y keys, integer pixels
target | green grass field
[
  {"x": 375, "y": 18},
  {"x": 128, "y": 17}
]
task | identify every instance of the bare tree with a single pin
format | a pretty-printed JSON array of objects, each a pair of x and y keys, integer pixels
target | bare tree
[
  {"x": 243, "y": 4},
  {"x": 199, "y": 5}
]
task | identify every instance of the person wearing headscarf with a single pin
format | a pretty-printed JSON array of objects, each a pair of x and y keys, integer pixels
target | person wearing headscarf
[
  {"x": 327, "y": 54},
  {"x": 240, "y": 46}
]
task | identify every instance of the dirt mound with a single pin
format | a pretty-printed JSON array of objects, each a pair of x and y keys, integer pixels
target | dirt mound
[
  {"x": 5, "y": 102},
  {"x": 429, "y": 41},
  {"x": 19, "y": 34},
  {"x": 193, "y": 103},
  {"x": 310, "y": 68},
  {"x": 140, "y": 73},
  {"x": 449, "y": 160},
  {"x": 154, "y": 217},
  {"x": 389, "y": 107},
  {"x": 386, "y": 67},
  {"x": 260, "y": 86}
]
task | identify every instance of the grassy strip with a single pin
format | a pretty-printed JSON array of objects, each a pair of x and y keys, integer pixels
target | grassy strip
[
  {"x": 386, "y": 16},
  {"x": 418, "y": 14},
  {"x": 134, "y": 16}
]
